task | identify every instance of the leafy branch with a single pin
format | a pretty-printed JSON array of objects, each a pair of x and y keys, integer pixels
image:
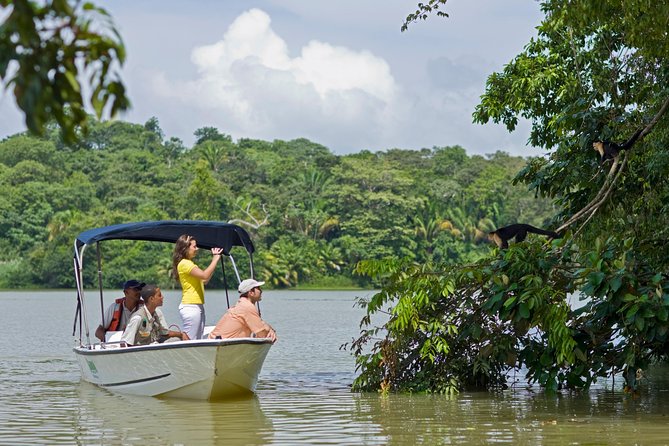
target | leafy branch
[
  {"x": 611, "y": 179},
  {"x": 423, "y": 11},
  {"x": 49, "y": 53}
]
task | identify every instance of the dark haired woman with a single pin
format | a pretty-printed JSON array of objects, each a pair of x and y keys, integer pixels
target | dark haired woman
[{"x": 192, "y": 281}]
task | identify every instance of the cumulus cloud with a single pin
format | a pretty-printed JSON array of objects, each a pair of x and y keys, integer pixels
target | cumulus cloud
[{"x": 251, "y": 86}]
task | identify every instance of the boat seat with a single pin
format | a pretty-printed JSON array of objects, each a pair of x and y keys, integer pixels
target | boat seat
[
  {"x": 113, "y": 336},
  {"x": 207, "y": 330}
]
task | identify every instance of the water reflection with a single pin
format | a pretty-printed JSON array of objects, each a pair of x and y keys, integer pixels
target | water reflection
[
  {"x": 518, "y": 417},
  {"x": 124, "y": 419}
]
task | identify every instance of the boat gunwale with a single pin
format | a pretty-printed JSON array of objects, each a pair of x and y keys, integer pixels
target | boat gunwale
[{"x": 85, "y": 351}]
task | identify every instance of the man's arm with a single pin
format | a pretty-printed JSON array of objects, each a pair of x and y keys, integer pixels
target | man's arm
[
  {"x": 164, "y": 329},
  {"x": 178, "y": 334},
  {"x": 259, "y": 327},
  {"x": 267, "y": 333},
  {"x": 100, "y": 333},
  {"x": 106, "y": 320},
  {"x": 130, "y": 332}
]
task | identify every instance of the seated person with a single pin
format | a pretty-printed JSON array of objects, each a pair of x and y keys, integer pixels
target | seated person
[
  {"x": 118, "y": 314},
  {"x": 243, "y": 320},
  {"x": 147, "y": 325}
]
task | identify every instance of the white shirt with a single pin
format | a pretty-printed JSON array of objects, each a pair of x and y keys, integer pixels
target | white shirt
[{"x": 145, "y": 328}]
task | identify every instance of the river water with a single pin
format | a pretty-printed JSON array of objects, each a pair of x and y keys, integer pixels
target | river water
[{"x": 303, "y": 394}]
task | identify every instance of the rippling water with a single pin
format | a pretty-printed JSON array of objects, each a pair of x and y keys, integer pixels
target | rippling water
[{"x": 303, "y": 394}]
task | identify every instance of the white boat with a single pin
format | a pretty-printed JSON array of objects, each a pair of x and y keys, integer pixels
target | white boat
[{"x": 203, "y": 369}]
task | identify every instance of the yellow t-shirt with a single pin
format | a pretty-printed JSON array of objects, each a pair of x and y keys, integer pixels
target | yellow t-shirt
[{"x": 192, "y": 287}]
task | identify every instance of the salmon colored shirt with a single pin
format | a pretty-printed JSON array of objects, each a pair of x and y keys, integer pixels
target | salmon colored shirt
[
  {"x": 192, "y": 287},
  {"x": 240, "y": 321}
]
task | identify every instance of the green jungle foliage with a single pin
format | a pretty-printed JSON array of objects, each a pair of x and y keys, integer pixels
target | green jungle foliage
[
  {"x": 591, "y": 304},
  {"x": 451, "y": 313},
  {"x": 312, "y": 214}
]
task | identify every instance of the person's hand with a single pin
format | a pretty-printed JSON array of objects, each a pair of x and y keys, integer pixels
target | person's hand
[
  {"x": 217, "y": 251},
  {"x": 272, "y": 335},
  {"x": 184, "y": 336}
]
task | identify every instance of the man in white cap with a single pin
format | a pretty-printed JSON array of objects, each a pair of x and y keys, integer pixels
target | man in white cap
[{"x": 242, "y": 320}]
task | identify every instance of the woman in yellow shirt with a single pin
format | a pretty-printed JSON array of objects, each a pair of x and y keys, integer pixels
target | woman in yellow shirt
[{"x": 192, "y": 281}]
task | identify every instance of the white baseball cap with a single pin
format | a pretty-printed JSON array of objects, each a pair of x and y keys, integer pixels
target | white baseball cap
[{"x": 247, "y": 285}]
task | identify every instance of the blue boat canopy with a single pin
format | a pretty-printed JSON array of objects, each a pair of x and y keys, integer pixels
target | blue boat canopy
[{"x": 209, "y": 234}]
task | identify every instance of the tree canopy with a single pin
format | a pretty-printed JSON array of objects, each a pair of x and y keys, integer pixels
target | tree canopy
[
  {"x": 592, "y": 304},
  {"x": 312, "y": 214}
]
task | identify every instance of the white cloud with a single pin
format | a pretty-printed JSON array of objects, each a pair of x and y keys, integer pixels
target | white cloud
[
  {"x": 252, "y": 87},
  {"x": 333, "y": 69},
  {"x": 249, "y": 36}
]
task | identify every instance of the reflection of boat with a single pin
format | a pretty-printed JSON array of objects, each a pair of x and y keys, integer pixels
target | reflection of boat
[
  {"x": 208, "y": 369},
  {"x": 106, "y": 418}
]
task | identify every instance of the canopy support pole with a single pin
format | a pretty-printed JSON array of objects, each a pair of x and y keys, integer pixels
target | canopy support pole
[
  {"x": 77, "y": 312},
  {"x": 234, "y": 266},
  {"x": 78, "y": 276},
  {"x": 225, "y": 282},
  {"x": 102, "y": 304}
]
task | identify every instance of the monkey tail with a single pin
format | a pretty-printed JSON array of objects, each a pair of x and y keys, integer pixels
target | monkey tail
[
  {"x": 551, "y": 234},
  {"x": 630, "y": 142}
]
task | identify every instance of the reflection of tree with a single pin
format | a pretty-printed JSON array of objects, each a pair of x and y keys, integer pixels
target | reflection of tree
[{"x": 517, "y": 417}]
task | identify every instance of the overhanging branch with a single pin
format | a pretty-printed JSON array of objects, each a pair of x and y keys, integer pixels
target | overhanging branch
[{"x": 614, "y": 174}]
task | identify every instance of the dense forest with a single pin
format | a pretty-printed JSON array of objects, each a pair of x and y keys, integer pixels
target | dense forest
[{"x": 312, "y": 214}]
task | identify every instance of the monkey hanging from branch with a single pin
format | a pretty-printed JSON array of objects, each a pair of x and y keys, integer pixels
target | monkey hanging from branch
[{"x": 502, "y": 236}]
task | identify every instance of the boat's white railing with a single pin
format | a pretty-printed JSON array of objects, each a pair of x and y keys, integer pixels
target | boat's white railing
[
  {"x": 78, "y": 267},
  {"x": 234, "y": 267}
]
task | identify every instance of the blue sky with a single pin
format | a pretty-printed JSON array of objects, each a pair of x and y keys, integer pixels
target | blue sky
[{"x": 339, "y": 73}]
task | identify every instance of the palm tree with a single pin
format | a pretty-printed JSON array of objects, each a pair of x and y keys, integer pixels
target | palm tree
[
  {"x": 215, "y": 153},
  {"x": 429, "y": 223}
]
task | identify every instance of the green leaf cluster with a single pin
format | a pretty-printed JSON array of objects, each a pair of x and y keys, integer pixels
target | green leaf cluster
[{"x": 58, "y": 57}]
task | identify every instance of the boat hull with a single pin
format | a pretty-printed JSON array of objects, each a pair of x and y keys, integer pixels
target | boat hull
[{"x": 208, "y": 369}]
